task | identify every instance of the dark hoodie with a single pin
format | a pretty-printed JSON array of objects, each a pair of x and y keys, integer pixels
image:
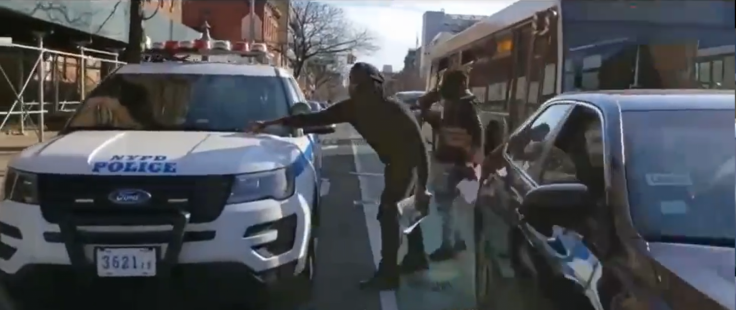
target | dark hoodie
[{"x": 386, "y": 125}]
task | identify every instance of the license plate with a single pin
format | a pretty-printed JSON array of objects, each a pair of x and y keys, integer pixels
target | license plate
[{"x": 126, "y": 262}]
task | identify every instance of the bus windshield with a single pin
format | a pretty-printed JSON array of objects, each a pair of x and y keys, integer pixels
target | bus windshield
[{"x": 648, "y": 44}]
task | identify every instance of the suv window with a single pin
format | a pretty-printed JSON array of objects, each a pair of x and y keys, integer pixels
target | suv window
[
  {"x": 182, "y": 102},
  {"x": 297, "y": 91},
  {"x": 576, "y": 152},
  {"x": 526, "y": 145}
]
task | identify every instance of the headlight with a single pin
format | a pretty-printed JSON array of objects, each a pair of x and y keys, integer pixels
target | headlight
[
  {"x": 21, "y": 187},
  {"x": 276, "y": 184}
]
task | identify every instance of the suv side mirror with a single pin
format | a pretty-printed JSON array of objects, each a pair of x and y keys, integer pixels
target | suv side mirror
[
  {"x": 554, "y": 197},
  {"x": 300, "y": 108}
]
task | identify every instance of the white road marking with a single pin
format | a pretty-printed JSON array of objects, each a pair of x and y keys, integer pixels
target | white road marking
[
  {"x": 366, "y": 174},
  {"x": 387, "y": 298},
  {"x": 324, "y": 187}
]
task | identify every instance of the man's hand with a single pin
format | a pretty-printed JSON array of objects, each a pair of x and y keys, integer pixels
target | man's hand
[
  {"x": 422, "y": 199},
  {"x": 256, "y": 127}
]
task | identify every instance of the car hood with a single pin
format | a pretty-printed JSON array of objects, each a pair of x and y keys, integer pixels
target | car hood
[
  {"x": 709, "y": 269},
  {"x": 155, "y": 153}
]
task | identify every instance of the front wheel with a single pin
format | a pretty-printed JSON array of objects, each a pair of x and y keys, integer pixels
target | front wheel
[
  {"x": 300, "y": 288},
  {"x": 487, "y": 273}
]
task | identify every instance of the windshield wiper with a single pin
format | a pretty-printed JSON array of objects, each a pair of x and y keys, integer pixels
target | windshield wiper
[{"x": 710, "y": 241}]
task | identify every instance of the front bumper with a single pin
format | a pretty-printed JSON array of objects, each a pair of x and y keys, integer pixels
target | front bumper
[{"x": 241, "y": 235}]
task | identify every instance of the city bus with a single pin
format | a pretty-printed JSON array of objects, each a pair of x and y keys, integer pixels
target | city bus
[{"x": 533, "y": 50}]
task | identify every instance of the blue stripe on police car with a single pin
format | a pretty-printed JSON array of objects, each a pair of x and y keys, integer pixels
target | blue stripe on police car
[{"x": 160, "y": 163}]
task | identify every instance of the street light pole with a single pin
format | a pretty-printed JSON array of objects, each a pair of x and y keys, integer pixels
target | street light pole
[{"x": 252, "y": 21}]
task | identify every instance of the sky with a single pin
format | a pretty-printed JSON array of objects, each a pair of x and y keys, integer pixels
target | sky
[{"x": 397, "y": 24}]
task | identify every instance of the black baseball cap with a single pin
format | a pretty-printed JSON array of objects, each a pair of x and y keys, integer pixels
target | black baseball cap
[{"x": 363, "y": 70}]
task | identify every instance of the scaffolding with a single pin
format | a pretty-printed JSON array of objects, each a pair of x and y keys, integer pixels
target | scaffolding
[{"x": 41, "y": 81}]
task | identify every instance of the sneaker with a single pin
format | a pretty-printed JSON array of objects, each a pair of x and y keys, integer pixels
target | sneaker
[
  {"x": 414, "y": 263},
  {"x": 380, "y": 281},
  {"x": 444, "y": 253}
]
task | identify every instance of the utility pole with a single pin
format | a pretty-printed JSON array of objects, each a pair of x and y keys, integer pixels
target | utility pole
[{"x": 252, "y": 21}]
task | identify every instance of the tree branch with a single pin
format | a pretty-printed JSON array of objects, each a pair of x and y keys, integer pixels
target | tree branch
[
  {"x": 152, "y": 14},
  {"x": 320, "y": 30}
]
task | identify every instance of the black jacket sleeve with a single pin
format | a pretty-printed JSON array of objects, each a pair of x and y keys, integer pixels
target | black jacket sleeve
[
  {"x": 341, "y": 112},
  {"x": 409, "y": 128}
]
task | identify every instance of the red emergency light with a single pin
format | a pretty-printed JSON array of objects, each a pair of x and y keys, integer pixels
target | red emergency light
[{"x": 204, "y": 47}]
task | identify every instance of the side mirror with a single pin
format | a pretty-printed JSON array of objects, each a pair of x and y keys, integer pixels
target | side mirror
[
  {"x": 300, "y": 108},
  {"x": 556, "y": 197}
]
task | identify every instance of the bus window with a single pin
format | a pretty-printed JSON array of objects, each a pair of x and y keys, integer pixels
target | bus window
[
  {"x": 728, "y": 72},
  {"x": 480, "y": 94},
  {"x": 654, "y": 45},
  {"x": 550, "y": 76}
]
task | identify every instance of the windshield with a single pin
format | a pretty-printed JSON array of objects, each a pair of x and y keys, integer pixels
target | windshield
[
  {"x": 409, "y": 97},
  {"x": 183, "y": 102},
  {"x": 649, "y": 44},
  {"x": 680, "y": 174}
]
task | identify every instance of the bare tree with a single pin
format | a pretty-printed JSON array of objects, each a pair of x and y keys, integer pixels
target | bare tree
[
  {"x": 320, "y": 29},
  {"x": 325, "y": 69},
  {"x": 134, "y": 51}
]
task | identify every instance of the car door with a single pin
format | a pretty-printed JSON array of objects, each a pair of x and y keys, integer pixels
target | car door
[
  {"x": 497, "y": 219},
  {"x": 568, "y": 246}
]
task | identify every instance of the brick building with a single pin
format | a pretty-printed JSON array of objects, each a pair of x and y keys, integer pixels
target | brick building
[
  {"x": 170, "y": 8},
  {"x": 230, "y": 20}
]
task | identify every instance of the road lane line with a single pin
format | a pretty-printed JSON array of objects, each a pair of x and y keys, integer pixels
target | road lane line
[
  {"x": 324, "y": 187},
  {"x": 387, "y": 298}
]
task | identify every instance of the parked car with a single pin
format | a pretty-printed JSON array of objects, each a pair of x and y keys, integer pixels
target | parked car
[
  {"x": 82, "y": 205},
  {"x": 613, "y": 200},
  {"x": 409, "y": 97}
]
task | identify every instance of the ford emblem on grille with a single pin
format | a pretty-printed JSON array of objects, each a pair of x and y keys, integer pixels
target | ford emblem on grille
[{"x": 129, "y": 197}]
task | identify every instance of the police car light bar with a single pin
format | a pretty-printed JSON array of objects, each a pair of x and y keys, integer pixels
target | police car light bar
[{"x": 200, "y": 47}]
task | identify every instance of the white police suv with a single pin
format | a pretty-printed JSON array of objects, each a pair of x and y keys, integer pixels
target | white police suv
[{"x": 154, "y": 178}]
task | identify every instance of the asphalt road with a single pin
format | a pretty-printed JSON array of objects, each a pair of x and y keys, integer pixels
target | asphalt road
[{"x": 350, "y": 243}]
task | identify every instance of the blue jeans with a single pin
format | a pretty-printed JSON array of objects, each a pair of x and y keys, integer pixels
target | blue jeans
[{"x": 444, "y": 185}]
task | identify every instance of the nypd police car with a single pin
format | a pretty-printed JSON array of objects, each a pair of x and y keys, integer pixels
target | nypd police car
[{"x": 154, "y": 178}]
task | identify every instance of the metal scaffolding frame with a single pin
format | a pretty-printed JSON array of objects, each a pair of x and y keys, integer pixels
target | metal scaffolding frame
[{"x": 49, "y": 68}]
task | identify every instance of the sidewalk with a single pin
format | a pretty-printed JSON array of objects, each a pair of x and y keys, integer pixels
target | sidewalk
[
  {"x": 16, "y": 143},
  {"x": 12, "y": 144}
]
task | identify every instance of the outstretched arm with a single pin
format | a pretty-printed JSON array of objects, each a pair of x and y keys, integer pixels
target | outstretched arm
[
  {"x": 426, "y": 101},
  {"x": 340, "y": 112}
]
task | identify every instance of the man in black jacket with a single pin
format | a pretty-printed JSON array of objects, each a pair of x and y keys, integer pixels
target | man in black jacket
[
  {"x": 459, "y": 149},
  {"x": 393, "y": 133}
]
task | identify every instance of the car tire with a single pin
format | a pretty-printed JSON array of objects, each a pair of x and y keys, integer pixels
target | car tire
[
  {"x": 315, "y": 206},
  {"x": 482, "y": 280},
  {"x": 298, "y": 289},
  {"x": 488, "y": 277},
  {"x": 521, "y": 259},
  {"x": 305, "y": 281}
]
